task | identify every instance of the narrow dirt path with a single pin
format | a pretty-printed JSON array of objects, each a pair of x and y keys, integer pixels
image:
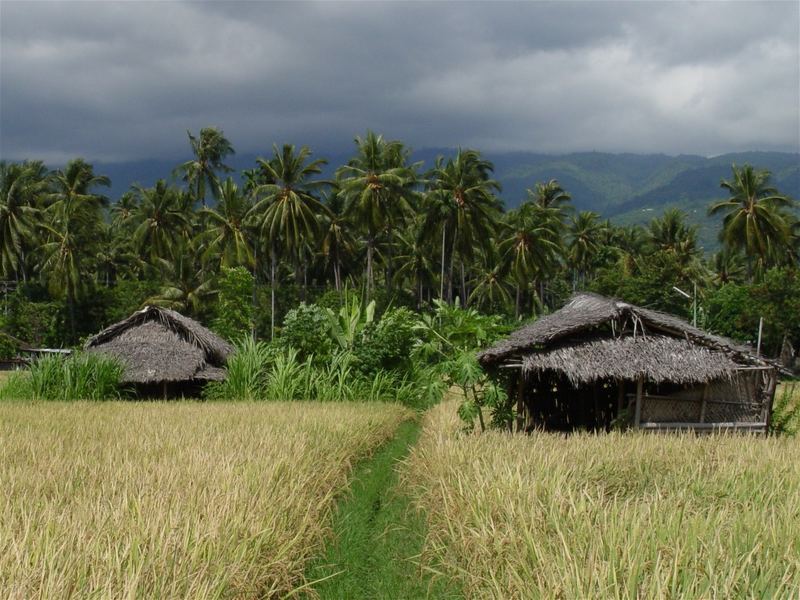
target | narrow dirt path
[{"x": 377, "y": 536}]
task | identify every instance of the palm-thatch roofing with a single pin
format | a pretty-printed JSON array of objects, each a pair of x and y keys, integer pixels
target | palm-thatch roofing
[
  {"x": 594, "y": 337},
  {"x": 158, "y": 345}
]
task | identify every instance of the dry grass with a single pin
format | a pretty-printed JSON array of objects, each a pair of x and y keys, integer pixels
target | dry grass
[
  {"x": 609, "y": 516},
  {"x": 187, "y": 500}
]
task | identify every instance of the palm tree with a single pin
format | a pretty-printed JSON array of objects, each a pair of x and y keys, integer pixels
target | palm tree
[
  {"x": 465, "y": 207},
  {"x": 225, "y": 236},
  {"x": 287, "y": 209},
  {"x": 162, "y": 222},
  {"x": 414, "y": 259},
  {"x": 549, "y": 195},
  {"x": 209, "y": 150},
  {"x": 754, "y": 221},
  {"x": 376, "y": 185},
  {"x": 492, "y": 284},
  {"x": 531, "y": 247},
  {"x": 123, "y": 212},
  {"x": 727, "y": 266},
  {"x": 188, "y": 287},
  {"x": 337, "y": 239},
  {"x": 670, "y": 233},
  {"x": 72, "y": 227},
  {"x": 585, "y": 238},
  {"x": 20, "y": 185}
]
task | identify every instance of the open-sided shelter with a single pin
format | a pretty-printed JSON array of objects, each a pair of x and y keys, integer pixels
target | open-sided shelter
[
  {"x": 163, "y": 352},
  {"x": 599, "y": 361}
]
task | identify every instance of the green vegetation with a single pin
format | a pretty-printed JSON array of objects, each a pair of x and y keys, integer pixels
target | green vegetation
[
  {"x": 377, "y": 536},
  {"x": 382, "y": 227},
  {"x": 179, "y": 500},
  {"x": 80, "y": 377},
  {"x": 608, "y": 516}
]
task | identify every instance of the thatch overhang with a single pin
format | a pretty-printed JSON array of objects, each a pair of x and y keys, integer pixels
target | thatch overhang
[
  {"x": 158, "y": 345},
  {"x": 593, "y": 337},
  {"x": 657, "y": 358}
]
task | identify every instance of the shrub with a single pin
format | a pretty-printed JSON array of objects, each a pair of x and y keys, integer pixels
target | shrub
[
  {"x": 8, "y": 347},
  {"x": 306, "y": 329},
  {"x": 388, "y": 344}
]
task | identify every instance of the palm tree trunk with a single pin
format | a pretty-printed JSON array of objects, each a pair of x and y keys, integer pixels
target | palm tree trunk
[
  {"x": 441, "y": 281},
  {"x": 255, "y": 291},
  {"x": 272, "y": 283},
  {"x": 370, "y": 244},
  {"x": 337, "y": 276},
  {"x": 516, "y": 308},
  {"x": 463, "y": 286}
]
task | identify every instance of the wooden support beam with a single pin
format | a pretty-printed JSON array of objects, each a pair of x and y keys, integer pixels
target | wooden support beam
[
  {"x": 703, "y": 404},
  {"x": 520, "y": 401},
  {"x": 637, "y": 420},
  {"x": 620, "y": 396}
]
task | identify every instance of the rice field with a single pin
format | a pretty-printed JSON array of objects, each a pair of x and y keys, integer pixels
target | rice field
[
  {"x": 181, "y": 500},
  {"x": 609, "y": 516}
]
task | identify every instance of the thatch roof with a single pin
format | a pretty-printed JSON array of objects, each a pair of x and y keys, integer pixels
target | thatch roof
[
  {"x": 160, "y": 345},
  {"x": 594, "y": 337}
]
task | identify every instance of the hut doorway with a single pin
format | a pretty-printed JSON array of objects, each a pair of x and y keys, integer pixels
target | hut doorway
[{"x": 551, "y": 402}]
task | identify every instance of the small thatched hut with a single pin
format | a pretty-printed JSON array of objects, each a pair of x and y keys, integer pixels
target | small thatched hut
[
  {"x": 164, "y": 353},
  {"x": 600, "y": 361}
]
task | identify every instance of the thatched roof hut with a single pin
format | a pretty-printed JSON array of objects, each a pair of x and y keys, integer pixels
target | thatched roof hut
[
  {"x": 159, "y": 346},
  {"x": 569, "y": 367}
]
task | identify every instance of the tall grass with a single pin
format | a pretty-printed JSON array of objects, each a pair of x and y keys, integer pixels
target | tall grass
[
  {"x": 257, "y": 371},
  {"x": 173, "y": 500},
  {"x": 609, "y": 516},
  {"x": 78, "y": 377},
  {"x": 786, "y": 409}
]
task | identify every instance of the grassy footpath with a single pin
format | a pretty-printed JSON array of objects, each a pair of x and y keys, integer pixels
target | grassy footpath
[{"x": 378, "y": 536}]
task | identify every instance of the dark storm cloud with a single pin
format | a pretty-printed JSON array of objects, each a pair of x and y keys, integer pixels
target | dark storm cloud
[{"x": 115, "y": 81}]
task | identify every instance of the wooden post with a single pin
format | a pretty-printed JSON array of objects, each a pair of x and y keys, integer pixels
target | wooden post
[
  {"x": 620, "y": 396},
  {"x": 520, "y": 401},
  {"x": 771, "y": 383},
  {"x": 639, "y": 388},
  {"x": 703, "y": 404}
]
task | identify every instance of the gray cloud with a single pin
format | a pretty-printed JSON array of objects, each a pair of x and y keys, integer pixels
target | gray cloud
[{"x": 117, "y": 81}]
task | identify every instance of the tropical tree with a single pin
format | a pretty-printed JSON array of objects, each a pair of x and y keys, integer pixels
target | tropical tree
[
  {"x": 338, "y": 242},
  {"x": 210, "y": 148},
  {"x": 376, "y": 185},
  {"x": 188, "y": 287},
  {"x": 465, "y": 208},
  {"x": 492, "y": 285},
  {"x": 20, "y": 186},
  {"x": 754, "y": 220},
  {"x": 531, "y": 246},
  {"x": 584, "y": 236},
  {"x": 162, "y": 222},
  {"x": 72, "y": 227},
  {"x": 225, "y": 238},
  {"x": 549, "y": 195},
  {"x": 286, "y": 208},
  {"x": 414, "y": 259},
  {"x": 671, "y": 233}
]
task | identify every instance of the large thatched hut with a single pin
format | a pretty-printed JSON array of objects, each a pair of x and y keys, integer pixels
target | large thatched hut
[
  {"x": 599, "y": 361},
  {"x": 164, "y": 353}
]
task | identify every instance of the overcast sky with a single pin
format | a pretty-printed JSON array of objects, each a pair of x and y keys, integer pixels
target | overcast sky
[{"x": 121, "y": 81}]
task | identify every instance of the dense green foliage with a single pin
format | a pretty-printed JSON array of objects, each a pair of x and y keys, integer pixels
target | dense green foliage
[
  {"x": 83, "y": 376},
  {"x": 384, "y": 228}
]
